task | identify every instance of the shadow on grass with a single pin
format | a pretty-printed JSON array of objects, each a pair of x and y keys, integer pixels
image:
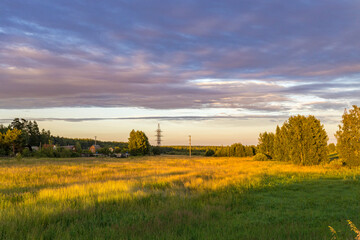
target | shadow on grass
[
  {"x": 299, "y": 210},
  {"x": 16, "y": 192}
]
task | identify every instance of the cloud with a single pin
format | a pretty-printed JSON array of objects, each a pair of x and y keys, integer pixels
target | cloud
[
  {"x": 157, "y": 54},
  {"x": 163, "y": 118},
  {"x": 315, "y": 106}
]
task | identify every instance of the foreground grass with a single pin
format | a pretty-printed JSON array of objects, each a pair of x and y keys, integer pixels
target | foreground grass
[{"x": 175, "y": 198}]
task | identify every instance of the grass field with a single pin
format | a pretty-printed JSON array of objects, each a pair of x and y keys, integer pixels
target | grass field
[{"x": 175, "y": 198}]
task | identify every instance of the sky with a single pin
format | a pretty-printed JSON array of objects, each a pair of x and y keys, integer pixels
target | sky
[{"x": 221, "y": 71}]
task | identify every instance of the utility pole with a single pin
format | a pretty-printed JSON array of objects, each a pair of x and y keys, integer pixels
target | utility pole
[
  {"x": 190, "y": 145},
  {"x": 95, "y": 140}
]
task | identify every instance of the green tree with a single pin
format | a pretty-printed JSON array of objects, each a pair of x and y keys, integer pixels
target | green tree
[
  {"x": 1, "y": 140},
  {"x": 306, "y": 140},
  {"x": 30, "y": 134},
  {"x": 45, "y": 136},
  {"x": 78, "y": 147},
  {"x": 3, "y": 129},
  {"x": 138, "y": 143},
  {"x": 348, "y": 137},
  {"x": 266, "y": 144},
  {"x": 281, "y": 149},
  {"x": 33, "y": 129},
  {"x": 11, "y": 138}
]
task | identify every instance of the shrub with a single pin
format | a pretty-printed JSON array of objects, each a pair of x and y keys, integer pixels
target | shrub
[
  {"x": 18, "y": 156},
  {"x": 3, "y": 152},
  {"x": 209, "y": 153},
  {"x": 26, "y": 153},
  {"x": 156, "y": 150},
  {"x": 337, "y": 163},
  {"x": 260, "y": 157}
]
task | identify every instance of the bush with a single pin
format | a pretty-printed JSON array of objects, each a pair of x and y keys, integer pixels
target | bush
[
  {"x": 209, "y": 153},
  {"x": 3, "y": 152},
  {"x": 18, "y": 156},
  {"x": 26, "y": 153},
  {"x": 337, "y": 163},
  {"x": 260, "y": 157},
  {"x": 156, "y": 150},
  {"x": 64, "y": 153}
]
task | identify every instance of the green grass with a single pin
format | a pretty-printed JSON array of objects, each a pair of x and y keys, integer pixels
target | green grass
[{"x": 175, "y": 198}]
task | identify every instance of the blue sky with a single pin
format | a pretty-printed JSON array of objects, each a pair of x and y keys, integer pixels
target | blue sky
[{"x": 222, "y": 71}]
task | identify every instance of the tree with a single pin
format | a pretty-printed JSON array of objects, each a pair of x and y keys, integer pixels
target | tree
[
  {"x": 45, "y": 136},
  {"x": 3, "y": 129},
  {"x": 266, "y": 144},
  {"x": 331, "y": 148},
  {"x": 1, "y": 140},
  {"x": 30, "y": 134},
  {"x": 34, "y": 132},
  {"x": 78, "y": 147},
  {"x": 306, "y": 140},
  {"x": 11, "y": 138},
  {"x": 3, "y": 147},
  {"x": 281, "y": 150},
  {"x": 348, "y": 137},
  {"x": 138, "y": 143}
]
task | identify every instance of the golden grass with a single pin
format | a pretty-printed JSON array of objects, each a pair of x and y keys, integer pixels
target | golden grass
[
  {"x": 69, "y": 179},
  {"x": 38, "y": 188}
]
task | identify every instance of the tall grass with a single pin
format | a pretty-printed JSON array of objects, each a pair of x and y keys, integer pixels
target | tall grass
[{"x": 174, "y": 197}]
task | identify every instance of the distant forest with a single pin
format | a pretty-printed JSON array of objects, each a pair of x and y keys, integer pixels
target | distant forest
[
  {"x": 300, "y": 139},
  {"x": 22, "y": 134},
  {"x": 235, "y": 150}
]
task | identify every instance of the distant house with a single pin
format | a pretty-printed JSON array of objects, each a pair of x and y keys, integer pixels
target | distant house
[
  {"x": 94, "y": 148},
  {"x": 122, "y": 155},
  {"x": 69, "y": 147},
  {"x": 35, "y": 148},
  {"x": 46, "y": 146}
]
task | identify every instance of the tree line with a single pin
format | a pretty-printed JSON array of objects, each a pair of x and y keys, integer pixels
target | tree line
[
  {"x": 303, "y": 140},
  {"x": 23, "y": 136},
  {"x": 234, "y": 150}
]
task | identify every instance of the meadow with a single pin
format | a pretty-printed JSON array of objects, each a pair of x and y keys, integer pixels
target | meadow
[{"x": 175, "y": 197}]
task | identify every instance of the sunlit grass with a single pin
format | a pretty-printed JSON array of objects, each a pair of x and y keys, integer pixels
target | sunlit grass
[{"x": 173, "y": 197}]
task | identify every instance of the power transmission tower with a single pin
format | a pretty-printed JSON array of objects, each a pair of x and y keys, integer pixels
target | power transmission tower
[{"x": 158, "y": 135}]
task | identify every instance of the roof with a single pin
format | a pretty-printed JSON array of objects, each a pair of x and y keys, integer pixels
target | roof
[
  {"x": 68, "y": 147},
  {"x": 95, "y": 146}
]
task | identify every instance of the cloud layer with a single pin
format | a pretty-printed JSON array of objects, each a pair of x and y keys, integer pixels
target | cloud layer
[{"x": 267, "y": 56}]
